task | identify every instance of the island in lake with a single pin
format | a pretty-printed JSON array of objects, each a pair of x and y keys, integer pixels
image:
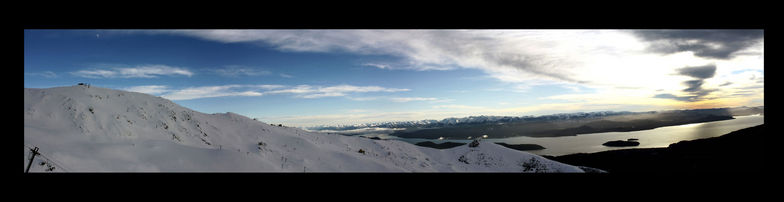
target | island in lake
[{"x": 622, "y": 143}]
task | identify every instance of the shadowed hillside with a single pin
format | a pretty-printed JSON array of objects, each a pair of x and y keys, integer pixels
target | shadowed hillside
[{"x": 739, "y": 151}]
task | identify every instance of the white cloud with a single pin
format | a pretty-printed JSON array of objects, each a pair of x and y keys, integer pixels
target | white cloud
[
  {"x": 235, "y": 71},
  {"x": 208, "y": 92},
  {"x": 361, "y": 89},
  {"x": 307, "y": 91},
  {"x": 142, "y": 71},
  {"x": 45, "y": 74},
  {"x": 96, "y": 73},
  {"x": 412, "y": 66},
  {"x": 459, "y": 107},
  {"x": 266, "y": 86},
  {"x": 409, "y": 99},
  {"x": 150, "y": 89},
  {"x": 399, "y": 99},
  {"x": 378, "y": 65},
  {"x": 300, "y": 91}
]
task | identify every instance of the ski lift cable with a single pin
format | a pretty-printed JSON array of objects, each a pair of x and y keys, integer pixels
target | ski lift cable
[
  {"x": 58, "y": 164},
  {"x": 51, "y": 160}
]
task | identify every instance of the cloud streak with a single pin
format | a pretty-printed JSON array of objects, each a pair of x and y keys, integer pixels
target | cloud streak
[
  {"x": 208, "y": 92},
  {"x": 149, "y": 89},
  {"x": 236, "y": 71},
  {"x": 409, "y": 99},
  {"x": 400, "y": 99},
  {"x": 413, "y": 66},
  {"x": 45, "y": 74},
  {"x": 142, "y": 71},
  {"x": 300, "y": 91},
  {"x": 307, "y": 91}
]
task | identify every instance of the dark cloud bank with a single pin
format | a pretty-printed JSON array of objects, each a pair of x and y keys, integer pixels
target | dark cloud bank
[
  {"x": 694, "y": 87},
  {"x": 716, "y": 44},
  {"x": 700, "y": 72}
]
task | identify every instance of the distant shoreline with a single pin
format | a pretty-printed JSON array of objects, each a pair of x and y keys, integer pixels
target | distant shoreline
[
  {"x": 447, "y": 145},
  {"x": 555, "y": 129},
  {"x": 558, "y": 125}
]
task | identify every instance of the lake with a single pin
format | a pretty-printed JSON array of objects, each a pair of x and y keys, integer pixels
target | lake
[{"x": 589, "y": 143}]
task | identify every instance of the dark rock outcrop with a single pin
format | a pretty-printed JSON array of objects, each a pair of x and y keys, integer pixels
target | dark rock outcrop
[
  {"x": 445, "y": 145},
  {"x": 522, "y": 147},
  {"x": 474, "y": 143}
]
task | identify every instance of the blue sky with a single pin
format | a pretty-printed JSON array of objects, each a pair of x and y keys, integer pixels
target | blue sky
[{"x": 313, "y": 77}]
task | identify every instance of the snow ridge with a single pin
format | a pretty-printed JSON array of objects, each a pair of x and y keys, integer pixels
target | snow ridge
[{"x": 93, "y": 129}]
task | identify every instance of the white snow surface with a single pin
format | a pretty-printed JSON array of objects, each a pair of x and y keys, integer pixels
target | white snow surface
[{"x": 81, "y": 129}]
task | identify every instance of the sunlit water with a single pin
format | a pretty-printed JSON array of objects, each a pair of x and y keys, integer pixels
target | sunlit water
[{"x": 658, "y": 137}]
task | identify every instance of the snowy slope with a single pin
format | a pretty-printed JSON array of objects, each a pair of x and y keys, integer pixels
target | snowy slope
[{"x": 81, "y": 129}]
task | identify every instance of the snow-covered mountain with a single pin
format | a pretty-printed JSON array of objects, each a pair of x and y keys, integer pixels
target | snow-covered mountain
[{"x": 88, "y": 129}]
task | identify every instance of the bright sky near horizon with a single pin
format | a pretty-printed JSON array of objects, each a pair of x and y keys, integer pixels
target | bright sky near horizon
[{"x": 315, "y": 77}]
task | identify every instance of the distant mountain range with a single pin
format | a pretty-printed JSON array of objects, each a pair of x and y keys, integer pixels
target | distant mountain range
[
  {"x": 469, "y": 120},
  {"x": 546, "y": 125},
  {"x": 578, "y": 123}
]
